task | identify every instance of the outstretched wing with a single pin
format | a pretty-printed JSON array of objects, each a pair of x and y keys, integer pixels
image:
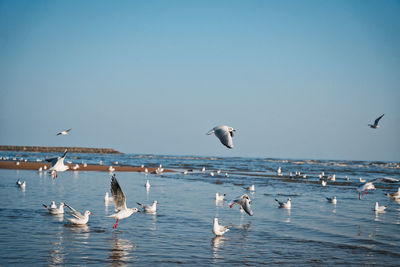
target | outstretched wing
[
  {"x": 118, "y": 195},
  {"x": 224, "y": 136},
  {"x": 247, "y": 208},
  {"x": 384, "y": 179},
  {"x": 74, "y": 212},
  {"x": 377, "y": 120}
]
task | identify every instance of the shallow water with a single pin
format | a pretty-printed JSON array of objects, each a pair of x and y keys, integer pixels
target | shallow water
[{"x": 312, "y": 232}]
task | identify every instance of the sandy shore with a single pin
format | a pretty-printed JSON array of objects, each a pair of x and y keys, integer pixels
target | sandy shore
[{"x": 36, "y": 165}]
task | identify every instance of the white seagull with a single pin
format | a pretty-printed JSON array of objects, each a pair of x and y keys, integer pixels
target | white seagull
[
  {"x": 379, "y": 208},
  {"x": 120, "y": 203},
  {"x": 21, "y": 184},
  {"x": 286, "y": 205},
  {"x": 324, "y": 183},
  {"x": 224, "y": 134},
  {"x": 57, "y": 164},
  {"x": 332, "y": 200},
  {"x": 370, "y": 185},
  {"x": 219, "y": 197},
  {"x": 375, "y": 125},
  {"x": 78, "y": 217},
  {"x": 149, "y": 208},
  {"x": 244, "y": 201},
  {"x": 64, "y": 132},
  {"x": 395, "y": 195},
  {"x": 251, "y": 188},
  {"x": 219, "y": 230},
  {"x": 53, "y": 208},
  {"x": 279, "y": 171}
]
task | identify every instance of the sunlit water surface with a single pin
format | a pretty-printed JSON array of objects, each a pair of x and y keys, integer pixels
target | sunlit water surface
[{"x": 312, "y": 232}]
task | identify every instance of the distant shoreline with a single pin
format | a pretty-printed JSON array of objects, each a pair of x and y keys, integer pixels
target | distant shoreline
[{"x": 91, "y": 150}]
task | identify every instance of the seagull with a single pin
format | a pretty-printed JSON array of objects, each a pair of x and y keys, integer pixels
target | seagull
[
  {"x": 226, "y": 175},
  {"x": 279, "y": 171},
  {"x": 332, "y": 200},
  {"x": 120, "y": 202},
  {"x": 219, "y": 230},
  {"x": 53, "y": 208},
  {"x": 107, "y": 198},
  {"x": 395, "y": 195},
  {"x": 370, "y": 185},
  {"x": 224, "y": 134},
  {"x": 287, "y": 205},
  {"x": 362, "y": 180},
  {"x": 379, "y": 208},
  {"x": 78, "y": 217},
  {"x": 211, "y": 173},
  {"x": 160, "y": 170},
  {"x": 64, "y": 132},
  {"x": 324, "y": 183},
  {"x": 21, "y": 184},
  {"x": 219, "y": 197},
  {"x": 149, "y": 208},
  {"x": 251, "y": 188},
  {"x": 244, "y": 201},
  {"x": 111, "y": 169},
  {"x": 375, "y": 126},
  {"x": 203, "y": 169},
  {"x": 40, "y": 169},
  {"x": 57, "y": 164}
]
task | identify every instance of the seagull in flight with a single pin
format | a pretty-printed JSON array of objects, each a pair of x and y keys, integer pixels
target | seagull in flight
[
  {"x": 78, "y": 217},
  {"x": 64, "y": 132},
  {"x": 57, "y": 164},
  {"x": 370, "y": 185},
  {"x": 375, "y": 125},
  {"x": 224, "y": 134},
  {"x": 244, "y": 201},
  {"x": 122, "y": 211}
]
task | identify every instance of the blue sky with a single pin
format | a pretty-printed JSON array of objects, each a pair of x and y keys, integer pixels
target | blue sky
[{"x": 297, "y": 79}]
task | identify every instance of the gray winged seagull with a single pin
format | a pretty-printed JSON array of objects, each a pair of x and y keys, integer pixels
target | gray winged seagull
[
  {"x": 57, "y": 164},
  {"x": 78, "y": 218},
  {"x": 244, "y": 201},
  {"x": 370, "y": 185},
  {"x": 122, "y": 211},
  {"x": 375, "y": 125},
  {"x": 224, "y": 134},
  {"x": 64, "y": 132}
]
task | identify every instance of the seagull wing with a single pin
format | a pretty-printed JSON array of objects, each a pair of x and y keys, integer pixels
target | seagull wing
[
  {"x": 210, "y": 131},
  {"x": 247, "y": 208},
  {"x": 69, "y": 130},
  {"x": 118, "y": 195},
  {"x": 384, "y": 179},
  {"x": 74, "y": 212},
  {"x": 377, "y": 120},
  {"x": 224, "y": 136}
]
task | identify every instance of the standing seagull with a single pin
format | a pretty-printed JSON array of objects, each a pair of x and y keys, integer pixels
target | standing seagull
[
  {"x": 57, "y": 164},
  {"x": 224, "y": 134},
  {"x": 244, "y": 201},
  {"x": 119, "y": 202},
  {"x": 376, "y": 122},
  {"x": 370, "y": 185},
  {"x": 64, "y": 132},
  {"x": 78, "y": 217},
  {"x": 219, "y": 230}
]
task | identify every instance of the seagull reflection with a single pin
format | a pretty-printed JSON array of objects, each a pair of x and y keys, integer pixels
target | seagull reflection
[
  {"x": 216, "y": 243},
  {"x": 57, "y": 254},
  {"x": 121, "y": 252},
  {"x": 80, "y": 231}
]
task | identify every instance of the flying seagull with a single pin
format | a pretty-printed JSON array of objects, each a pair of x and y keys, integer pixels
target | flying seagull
[
  {"x": 376, "y": 122},
  {"x": 224, "y": 134},
  {"x": 370, "y": 185},
  {"x": 57, "y": 164},
  {"x": 122, "y": 211},
  {"x": 244, "y": 201},
  {"x": 64, "y": 132}
]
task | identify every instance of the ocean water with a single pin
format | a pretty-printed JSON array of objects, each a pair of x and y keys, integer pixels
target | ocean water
[{"x": 313, "y": 232}]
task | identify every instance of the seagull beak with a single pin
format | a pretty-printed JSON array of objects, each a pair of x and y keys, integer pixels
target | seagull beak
[{"x": 91, "y": 213}]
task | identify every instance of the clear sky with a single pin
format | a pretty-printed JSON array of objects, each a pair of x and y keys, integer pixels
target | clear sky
[{"x": 297, "y": 79}]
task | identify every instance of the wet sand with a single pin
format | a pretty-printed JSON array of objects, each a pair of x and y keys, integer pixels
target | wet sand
[{"x": 36, "y": 165}]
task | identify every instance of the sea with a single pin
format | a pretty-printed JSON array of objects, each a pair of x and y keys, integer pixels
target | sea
[{"x": 314, "y": 232}]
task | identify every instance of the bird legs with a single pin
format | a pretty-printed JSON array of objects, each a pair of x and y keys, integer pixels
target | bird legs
[{"x": 116, "y": 224}]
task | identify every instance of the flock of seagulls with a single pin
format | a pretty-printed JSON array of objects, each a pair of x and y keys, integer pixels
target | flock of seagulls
[{"x": 225, "y": 135}]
